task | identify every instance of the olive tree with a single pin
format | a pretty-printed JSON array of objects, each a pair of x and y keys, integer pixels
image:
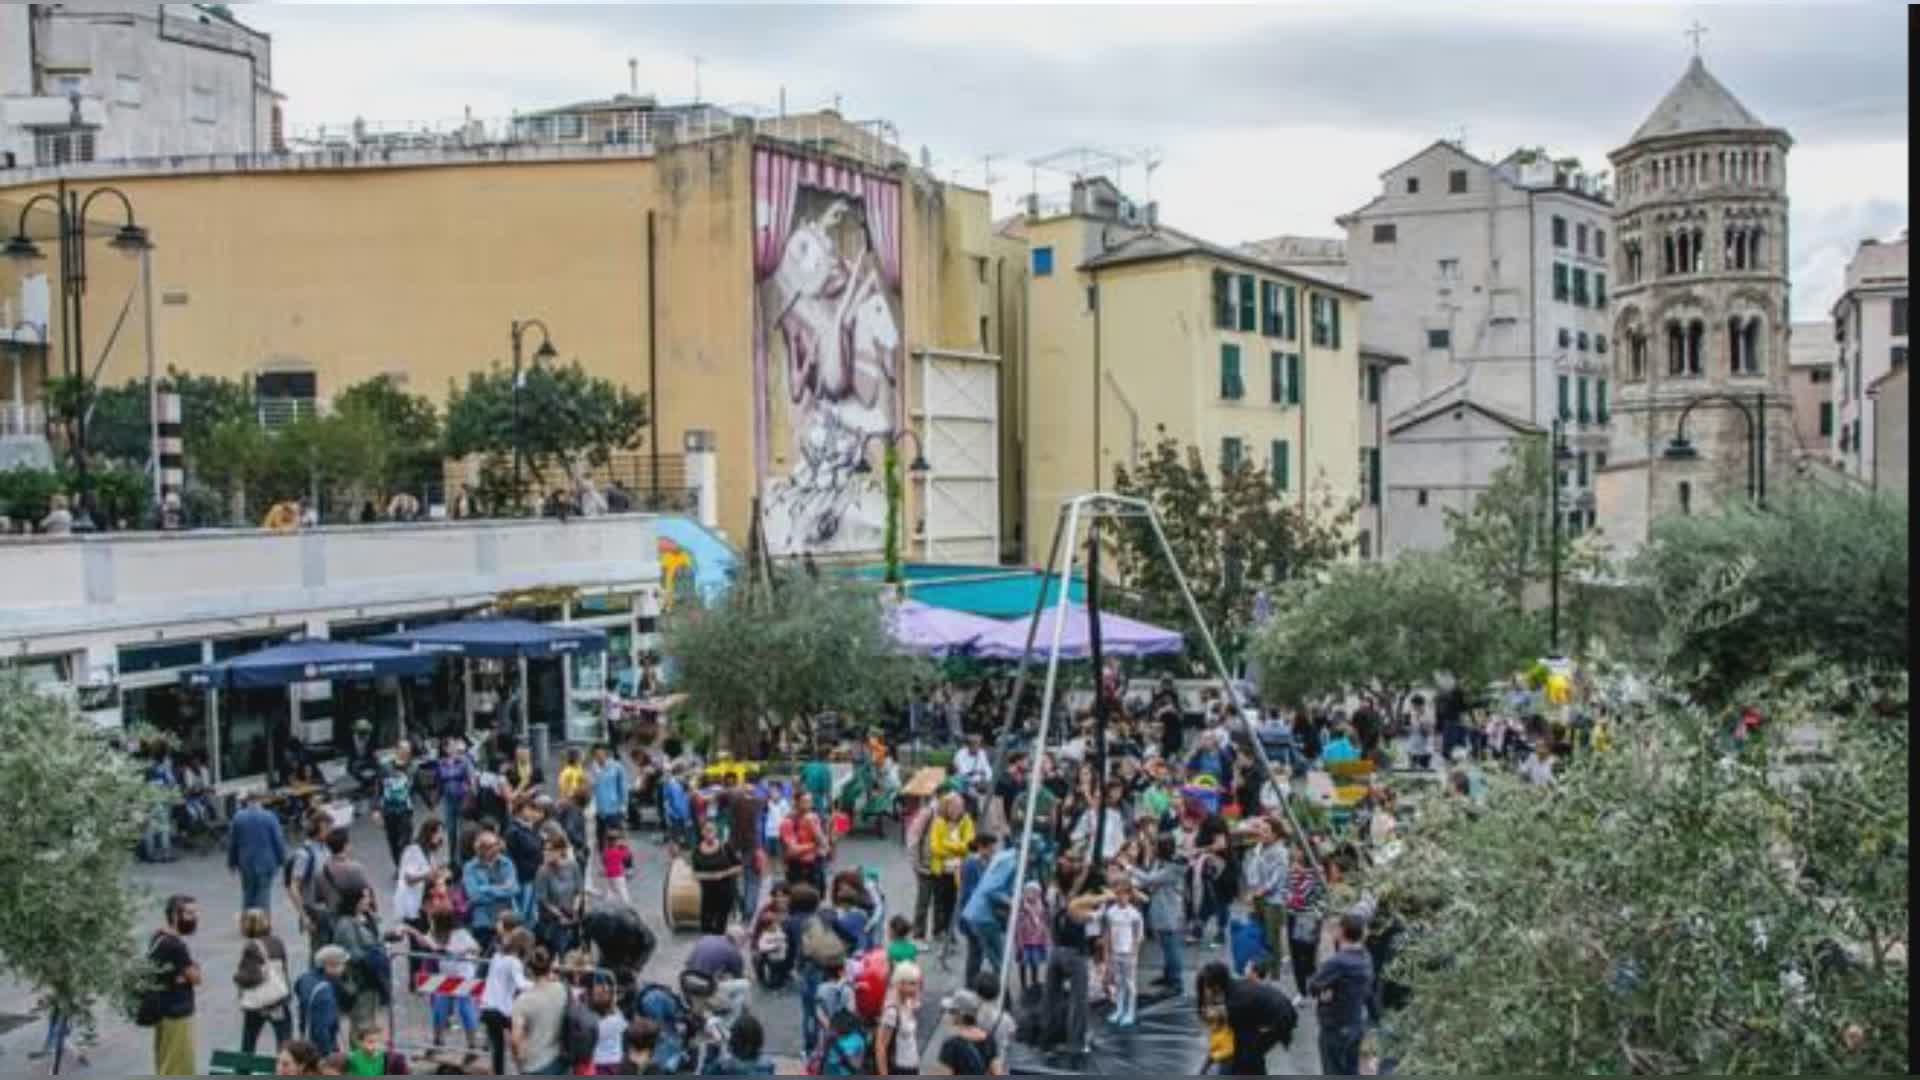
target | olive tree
[{"x": 75, "y": 807}]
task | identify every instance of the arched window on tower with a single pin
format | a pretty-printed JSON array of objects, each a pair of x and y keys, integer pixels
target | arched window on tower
[
  {"x": 1734, "y": 251},
  {"x": 1676, "y": 350},
  {"x": 1755, "y": 248},
  {"x": 1697, "y": 251},
  {"x": 1696, "y": 345},
  {"x": 1671, "y": 264},
  {"x": 1752, "y": 335},
  {"x": 1637, "y": 356}
]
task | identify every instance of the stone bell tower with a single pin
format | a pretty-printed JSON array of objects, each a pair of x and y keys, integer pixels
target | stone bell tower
[{"x": 1700, "y": 311}]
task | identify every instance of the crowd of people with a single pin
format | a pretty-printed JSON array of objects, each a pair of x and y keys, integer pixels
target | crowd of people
[{"x": 1172, "y": 870}]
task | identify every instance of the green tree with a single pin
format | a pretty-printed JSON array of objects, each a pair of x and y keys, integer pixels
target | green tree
[
  {"x": 757, "y": 662},
  {"x": 1830, "y": 579},
  {"x": 1380, "y": 631},
  {"x": 120, "y": 427},
  {"x": 74, "y": 807},
  {"x": 1231, "y": 539},
  {"x": 566, "y": 417},
  {"x": 1673, "y": 906},
  {"x": 1507, "y": 535},
  {"x": 407, "y": 426}
]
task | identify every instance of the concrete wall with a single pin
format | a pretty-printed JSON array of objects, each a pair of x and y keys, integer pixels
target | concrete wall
[
  {"x": 1430, "y": 460},
  {"x": 76, "y": 592},
  {"x": 1811, "y": 350},
  {"x": 357, "y": 265}
]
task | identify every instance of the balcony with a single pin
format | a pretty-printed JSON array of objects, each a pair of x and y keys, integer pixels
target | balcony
[{"x": 124, "y": 585}]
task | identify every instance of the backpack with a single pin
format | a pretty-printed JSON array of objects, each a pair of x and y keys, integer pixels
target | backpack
[
  {"x": 579, "y": 1032},
  {"x": 822, "y": 944},
  {"x": 315, "y": 854},
  {"x": 870, "y": 986}
]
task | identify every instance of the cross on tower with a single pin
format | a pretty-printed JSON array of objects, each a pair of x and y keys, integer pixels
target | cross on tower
[{"x": 1696, "y": 32}]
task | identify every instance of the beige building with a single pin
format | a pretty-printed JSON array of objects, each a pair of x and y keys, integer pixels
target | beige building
[
  {"x": 699, "y": 267},
  {"x": 1135, "y": 327},
  {"x": 1810, "y": 357},
  {"x": 1870, "y": 331},
  {"x": 1888, "y": 395},
  {"x": 1700, "y": 310}
]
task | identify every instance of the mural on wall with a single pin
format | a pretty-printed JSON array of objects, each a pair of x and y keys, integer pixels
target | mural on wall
[{"x": 829, "y": 343}]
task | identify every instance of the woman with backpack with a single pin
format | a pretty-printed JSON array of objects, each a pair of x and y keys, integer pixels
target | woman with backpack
[{"x": 897, "y": 1046}]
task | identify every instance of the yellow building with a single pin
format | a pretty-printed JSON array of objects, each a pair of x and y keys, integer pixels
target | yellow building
[
  {"x": 1135, "y": 326},
  {"x": 790, "y": 301}
]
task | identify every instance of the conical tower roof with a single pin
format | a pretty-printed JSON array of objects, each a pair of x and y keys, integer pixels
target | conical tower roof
[{"x": 1698, "y": 102}]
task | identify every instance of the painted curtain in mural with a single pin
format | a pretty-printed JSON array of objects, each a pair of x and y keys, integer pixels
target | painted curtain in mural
[{"x": 828, "y": 348}]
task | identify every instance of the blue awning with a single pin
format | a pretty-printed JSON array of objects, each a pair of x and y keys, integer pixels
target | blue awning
[
  {"x": 307, "y": 661},
  {"x": 499, "y": 638}
]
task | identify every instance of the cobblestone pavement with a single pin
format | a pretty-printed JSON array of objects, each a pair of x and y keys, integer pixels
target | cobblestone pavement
[{"x": 124, "y": 1050}]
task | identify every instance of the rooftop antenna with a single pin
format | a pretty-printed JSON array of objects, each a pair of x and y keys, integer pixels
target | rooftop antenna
[
  {"x": 1696, "y": 32},
  {"x": 633, "y": 75},
  {"x": 1151, "y": 159},
  {"x": 988, "y": 177}
]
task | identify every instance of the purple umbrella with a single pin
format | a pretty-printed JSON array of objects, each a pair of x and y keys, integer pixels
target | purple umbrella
[
  {"x": 1119, "y": 636},
  {"x": 936, "y": 631}
]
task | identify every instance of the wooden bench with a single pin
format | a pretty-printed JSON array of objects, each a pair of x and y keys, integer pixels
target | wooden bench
[{"x": 234, "y": 1063}]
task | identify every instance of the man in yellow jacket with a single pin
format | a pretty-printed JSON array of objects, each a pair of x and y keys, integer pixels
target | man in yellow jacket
[{"x": 947, "y": 850}]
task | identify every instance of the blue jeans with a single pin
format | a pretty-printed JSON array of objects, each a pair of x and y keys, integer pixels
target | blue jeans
[
  {"x": 748, "y": 895},
  {"x": 256, "y": 891},
  {"x": 1171, "y": 963},
  {"x": 450, "y": 813},
  {"x": 809, "y": 1005},
  {"x": 985, "y": 944},
  {"x": 447, "y": 1007}
]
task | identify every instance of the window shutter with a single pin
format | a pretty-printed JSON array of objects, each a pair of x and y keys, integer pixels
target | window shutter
[
  {"x": 1599, "y": 290},
  {"x": 1230, "y": 385},
  {"x": 1293, "y": 378},
  {"x": 1582, "y": 460},
  {"x": 1566, "y": 410},
  {"x": 1373, "y": 475},
  {"x": 1333, "y": 316},
  {"x": 1281, "y": 465},
  {"x": 1826, "y": 418},
  {"x": 1293, "y": 314},
  {"x": 1246, "y": 302},
  {"x": 1222, "y": 300},
  {"x": 1373, "y": 386},
  {"x": 1276, "y": 370},
  {"x": 1601, "y": 410},
  {"x": 1585, "y": 414}
]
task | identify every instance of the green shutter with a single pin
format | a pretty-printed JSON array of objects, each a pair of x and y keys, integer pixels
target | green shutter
[
  {"x": 1585, "y": 414},
  {"x": 1373, "y": 386},
  {"x": 1602, "y": 410},
  {"x": 1222, "y": 300},
  {"x": 1373, "y": 476},
  {"x": 1293, "y": 314},
  {"x": 1599, "y": 290},
  {"x": 1583, "y": 468},
  {"x": 1229, "y": 454},
  {"x": 1247, "y": 310},
  {"x": 1566, "y": 401},
  {"x": 1230, "y": 385},
  {"x": 1276, "y": 368},
  {"x": 1281, "y": 465},
  {"x": 1293, "y": 378},
  {"x": 1333, "y": 305}
]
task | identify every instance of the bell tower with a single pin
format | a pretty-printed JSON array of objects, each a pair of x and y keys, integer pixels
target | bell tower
[{"x": 1700, "y": 311}]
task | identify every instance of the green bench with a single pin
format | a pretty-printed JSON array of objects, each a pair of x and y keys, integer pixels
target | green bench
[{"x": 234, "y": 1063}]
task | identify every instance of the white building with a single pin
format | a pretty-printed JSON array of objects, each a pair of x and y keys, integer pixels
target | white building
[
  {"x": 110, "y": 81},
  {"x": 1492, "y": 279},
  {"x": 1870, "y": 326},
  {"x": 116, "y": 619}
]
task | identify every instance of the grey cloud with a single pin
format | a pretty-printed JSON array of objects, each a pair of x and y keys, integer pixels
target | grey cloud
[{"x": 1822, "y": 243}]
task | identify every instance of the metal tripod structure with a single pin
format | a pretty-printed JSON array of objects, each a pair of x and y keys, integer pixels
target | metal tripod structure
[{"x": 1091, "y": 508}]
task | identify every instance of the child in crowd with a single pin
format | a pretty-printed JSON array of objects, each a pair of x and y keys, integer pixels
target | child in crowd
[
  {"x": 1033, "y": 934},
  {"x": 610, "y": 1035},
  {"x": 616, "y": 863},
  {"x": 900, "y": 946},
  {"x": 1124, "y": 928},
  {"x": 1219, "y": 1042}
]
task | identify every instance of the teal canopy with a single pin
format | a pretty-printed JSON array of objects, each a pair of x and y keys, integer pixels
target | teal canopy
[{"x": 994, "y": 592}]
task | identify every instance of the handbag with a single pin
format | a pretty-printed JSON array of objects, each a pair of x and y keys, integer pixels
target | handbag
[{"x": 271, "y": 991}]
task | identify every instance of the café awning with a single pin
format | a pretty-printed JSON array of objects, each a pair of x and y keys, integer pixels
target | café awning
[
  {"x": 307, "y": 661},
  {"x": 499, "y": 638}
]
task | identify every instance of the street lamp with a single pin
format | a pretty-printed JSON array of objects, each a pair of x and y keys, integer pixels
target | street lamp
[
  {"x": 1561, "y": 454},
  {"x": 131, "y": 237},
  {"x": 546, "y": 351},
  {"x": 919, "y": 467},
  {"x": 1682, "y": 449}
]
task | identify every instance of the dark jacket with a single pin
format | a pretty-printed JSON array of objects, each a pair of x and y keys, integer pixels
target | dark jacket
[
  {"x": 1343, "y": 986},
  {"x": 1262, "y": 1018},
  {"x": 525, "y": 849},
  {"x": 255, "y": 842},
  {"x": 320, "y": 1006}
]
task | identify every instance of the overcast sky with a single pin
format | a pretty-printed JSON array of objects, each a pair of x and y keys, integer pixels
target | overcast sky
[{"x": 1269, "y": 119}]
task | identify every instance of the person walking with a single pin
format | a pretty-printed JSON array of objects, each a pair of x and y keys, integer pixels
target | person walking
[
  {"x": 177, "y": 978},
  {"x": 454, "y": 775},
  {"x": 745, "y": 808},
  {"x": 1341, "y": 989},
  {"x": 538, "y": 1016},
  {"x": 611, "y": 790},
  {"x": 1306, "y": 899},
  {"x": 394, "y": 809},
  {"x": 920, "y": 843},
  {"x": 717, "y": 868},
  {"x": 357, "y": 930},
  {"x": 506, "y": 981},
  {"x": 256, "y": 849},
  {"x": 1066, "y": 1003},
  {"x": 265, "y": 982},
  {"x": 338, "y": 885}
]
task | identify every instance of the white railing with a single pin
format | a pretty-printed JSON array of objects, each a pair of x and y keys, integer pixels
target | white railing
[{"x": 22, "y": 419}]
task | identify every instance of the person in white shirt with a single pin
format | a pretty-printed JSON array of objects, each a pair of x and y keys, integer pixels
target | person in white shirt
[
  {"x": 417, "y": 864},
  {"x": 506, "y": 981},
  {"x": 1116, "y": 832},
  {"x": 1124, "y": 928},
  {"x": 973, "y": 766},
  {"x": 1538, "y": 768}
]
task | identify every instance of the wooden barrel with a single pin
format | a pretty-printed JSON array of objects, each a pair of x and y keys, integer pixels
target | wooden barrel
[{"x": 681, "y": 902}]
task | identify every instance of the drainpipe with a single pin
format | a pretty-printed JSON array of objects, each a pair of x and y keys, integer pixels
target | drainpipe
[
  {"x": 1095, "y": 275},
  {"x": 653, "y": 367},
  {"x": 1380, "y": 455}
]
